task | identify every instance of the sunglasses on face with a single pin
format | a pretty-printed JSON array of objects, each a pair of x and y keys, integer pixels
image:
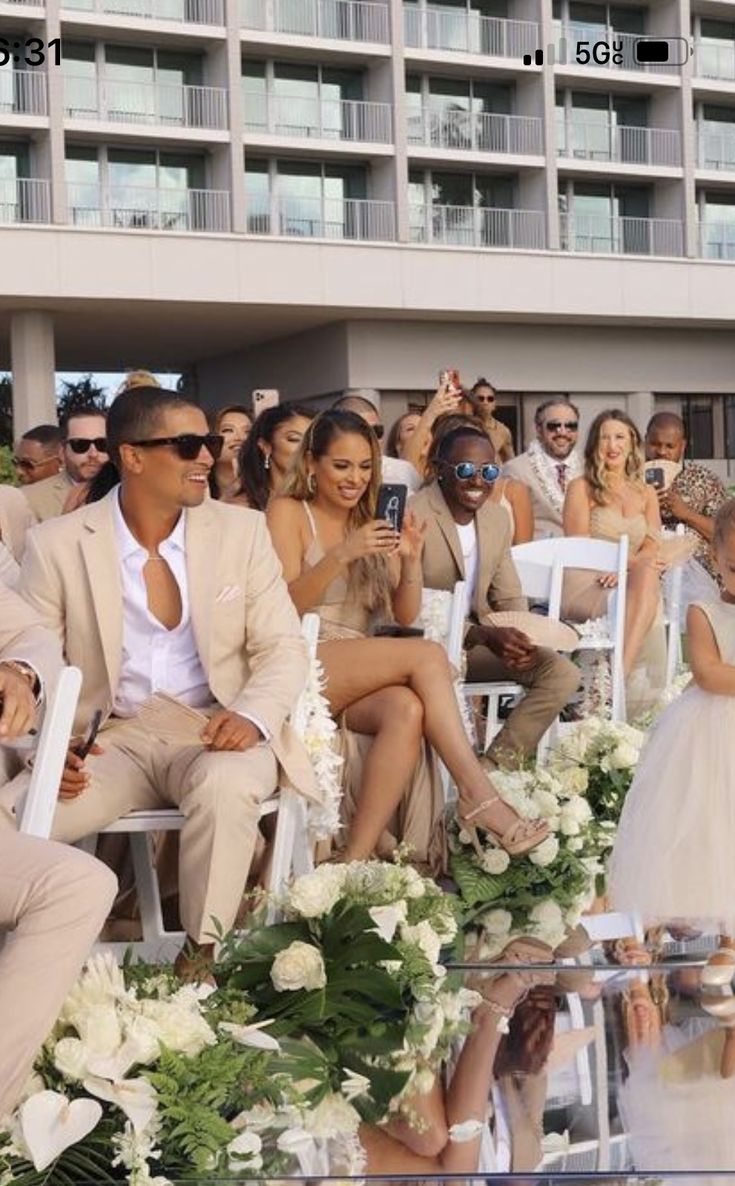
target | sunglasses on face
[
  {"x": 84, "y": 444},
  {"x": 188, "y": 445},
  {"x": 484, "y": 399},
  {"x": 465, "y": 471},
  {"x": 557, "y": 425},
  {"x": 27, "y": 464}
]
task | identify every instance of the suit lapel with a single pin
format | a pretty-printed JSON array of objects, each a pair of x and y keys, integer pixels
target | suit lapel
[
  {"x": 447, "y": 527},
  {"x": 202, "y": 564},
  {"x": 102, "y": 562}
]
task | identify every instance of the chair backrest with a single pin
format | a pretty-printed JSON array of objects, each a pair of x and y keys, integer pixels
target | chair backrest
[
  {"x": 310, "y": 634},
  {"x": 442, "y": 618},
  {"x": 48, "y": 764}
]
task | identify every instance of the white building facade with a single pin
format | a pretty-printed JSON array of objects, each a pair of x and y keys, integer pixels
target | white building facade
[{"x": 322, "y": 194}]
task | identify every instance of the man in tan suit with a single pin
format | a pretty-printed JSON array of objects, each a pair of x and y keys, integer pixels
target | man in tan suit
[
  {"x": 549, "y": 464},
  {"x": 468, "y": 538},
  {"x": 84, "y": 451},
  {"x": 37, "y": 455},
  {"x": 153, "y": 589},
  {"x": 53, "y": 899}
]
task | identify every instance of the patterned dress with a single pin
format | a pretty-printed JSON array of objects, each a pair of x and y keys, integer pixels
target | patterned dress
[{"x": 703, "y": 491}]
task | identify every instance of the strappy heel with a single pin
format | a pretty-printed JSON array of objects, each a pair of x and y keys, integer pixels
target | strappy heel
[{"x": 514, "y": 844}]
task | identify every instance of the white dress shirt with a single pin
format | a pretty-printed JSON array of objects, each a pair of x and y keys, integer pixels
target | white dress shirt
[{"x": 155, "y": 659}]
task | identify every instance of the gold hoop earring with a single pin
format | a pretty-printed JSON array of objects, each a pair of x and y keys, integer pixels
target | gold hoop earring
[{"x": 311, "y": 483}]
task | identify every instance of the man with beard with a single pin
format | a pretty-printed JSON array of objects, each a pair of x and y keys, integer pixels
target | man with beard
[{"x": 549, "y": 464}]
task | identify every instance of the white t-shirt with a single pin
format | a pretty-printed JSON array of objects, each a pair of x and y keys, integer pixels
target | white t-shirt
[{"x": 467, "y": 533}]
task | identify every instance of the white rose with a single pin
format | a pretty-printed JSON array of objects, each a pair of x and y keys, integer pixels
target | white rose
[
  {"x": 574, "y": 780},
  {"x": 71, "y": 1058},
  {"x": 575, "y": 843},
  {"x": 314, "y": 894},
  {"x": 494, "y": 861},
  {"x": 623, "y": 757},
  {"x": 497, "y": 922},
  {"x": 545, "y": 852},
  {"x": 300, "y": 965},
  {"x": 426, "y": 937},
  {"x": 574, "y": 815},
  {"x": 181, "y": 1029},
  {"x": 332, "y": 1118}
]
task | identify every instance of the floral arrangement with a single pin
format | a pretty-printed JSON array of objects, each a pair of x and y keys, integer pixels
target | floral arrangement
[
  {"x": 355, "y": 969},
  {"x": 544, "y": 893},
  {"x": 601, "y": 756},
  {"x": 319, "y": 733}
]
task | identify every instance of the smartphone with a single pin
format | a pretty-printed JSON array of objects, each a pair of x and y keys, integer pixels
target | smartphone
[
  {"x": 392, "y": 630},
  {"x": 450, "y": 378},
  {"x": 82, "y": 750},
  {"x": 265, "y": 397},
  {"x": 392, "y": 505},
  {"x": 655, "y": 476}
]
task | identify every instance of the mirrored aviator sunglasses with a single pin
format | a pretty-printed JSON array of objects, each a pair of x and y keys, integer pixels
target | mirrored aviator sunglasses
[
  {"x": 465, "y": 471},
  {"x": 188, "y": 445}
]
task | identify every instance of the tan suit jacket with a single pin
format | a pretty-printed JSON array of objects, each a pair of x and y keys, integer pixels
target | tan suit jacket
[
  {"x": 245, "y": 624},
  {"x": 547, "y": 520},
  {"x": 46, "y": 499},
  {"x": 15, "y": 519},
  {"x": 23, "y": 636},
  {"x": 498, "y": 586}
]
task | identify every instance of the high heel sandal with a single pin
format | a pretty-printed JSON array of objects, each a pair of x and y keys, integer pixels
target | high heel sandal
[{"x": 514, "y": 845}]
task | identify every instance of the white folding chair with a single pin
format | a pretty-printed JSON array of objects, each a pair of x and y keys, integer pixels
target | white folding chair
[
  {"x": 613, "y": 924},
  {"x": 37, "y": 813},
  {"x": 672, "y": 586},
  {"x": 581, "y": 552},
  {"x": 442, "y": 619},
  {"x": 292, "y": 854}
]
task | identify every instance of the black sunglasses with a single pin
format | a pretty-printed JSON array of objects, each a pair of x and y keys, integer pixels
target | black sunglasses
[
  {"x": 84, "y": 444},
  {"x": 188, "y": 445},
  {"x": 465, "y": 471},
  {"x": 555, "y": 425},
  {"x": 26, "y": 463}
]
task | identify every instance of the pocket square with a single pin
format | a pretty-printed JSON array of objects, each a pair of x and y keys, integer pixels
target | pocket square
[{"x": 228, "y": 593}]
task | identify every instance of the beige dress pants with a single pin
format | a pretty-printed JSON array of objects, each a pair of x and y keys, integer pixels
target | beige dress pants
[
  {"x": 550, "y": 685},
  {"x": 218, "y": 793},
  {"x": 53, "y": 901}
]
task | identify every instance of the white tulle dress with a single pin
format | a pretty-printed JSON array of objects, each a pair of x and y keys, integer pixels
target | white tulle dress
[{"x": 674, "y": 855}]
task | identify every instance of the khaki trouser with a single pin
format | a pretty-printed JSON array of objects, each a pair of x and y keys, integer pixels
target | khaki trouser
[
  {"x": 550, "y": 684},
  {"x": 218, "y": 793},
  {"x": 53, "y": 900}
]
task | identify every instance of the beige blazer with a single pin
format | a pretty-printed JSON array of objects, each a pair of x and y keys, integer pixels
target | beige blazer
[
  {"x": 547, "y": 520},
  {"x": 245, "y": 624},
  {"x": 23, "y": 636},
  {"x": 46, "y": 498},
  {"x": 15, "y": 519},
  {"x": 498, "y": 586}
]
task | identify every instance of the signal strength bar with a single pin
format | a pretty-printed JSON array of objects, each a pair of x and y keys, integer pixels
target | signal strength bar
[{"x": 537, "y": 58}]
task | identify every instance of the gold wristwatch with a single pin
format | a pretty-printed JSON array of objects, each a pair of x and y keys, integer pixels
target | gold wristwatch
[{"x": 26, "y": 671}]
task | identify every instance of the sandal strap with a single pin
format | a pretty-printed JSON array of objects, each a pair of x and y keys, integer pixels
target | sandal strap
[{"x": 480, "y": 808}]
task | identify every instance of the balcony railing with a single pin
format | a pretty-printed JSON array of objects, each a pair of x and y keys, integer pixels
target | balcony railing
[
  {"x": 197, "y": 12},
  {"x": 621, "y": 235},
  {"x": 476, "y": 131},
  {"x": 619, "y": 142},
  {"x": 23, "y": 92},
  {"x": 468, "y": 32},
  {"x": 325, "y": 119},
  {"x": 712, "y": 60},
  {"x": 146, "y": 208},
  {"x": 341, "y": 20},
  {"x": 717, "y": 240},
  {"x": 621, "y": 44},
  {"x": 468, "y": 226},
  {"x": 25, "y": 199},
  {"x": 145, "y": 103},
  {"x": 716, "y": 150},
  {"x": 330, "y": 218}
]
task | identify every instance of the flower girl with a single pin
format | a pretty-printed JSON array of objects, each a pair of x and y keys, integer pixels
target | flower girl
[{"x": 674, "y": 855}]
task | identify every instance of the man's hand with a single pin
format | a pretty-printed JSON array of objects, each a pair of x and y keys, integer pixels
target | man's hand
[
  {"x": 228, "y": 731},
  {"x": 512, "y": 646},
  {"x": 671, "y": 503},
  {"x": 18, "y": 704},
  {"x": 75, "y": 778}
]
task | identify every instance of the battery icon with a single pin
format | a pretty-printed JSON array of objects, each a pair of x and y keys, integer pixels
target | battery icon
[{"x": 655, "y": 51}]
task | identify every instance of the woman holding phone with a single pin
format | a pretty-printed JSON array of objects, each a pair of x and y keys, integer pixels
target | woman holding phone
[{"x": 354, "y": 571}]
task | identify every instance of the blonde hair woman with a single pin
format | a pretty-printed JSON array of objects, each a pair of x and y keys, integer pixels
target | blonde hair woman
[
  {"x": 609, "y": 500},
  {"x": 353, "y": 570}
]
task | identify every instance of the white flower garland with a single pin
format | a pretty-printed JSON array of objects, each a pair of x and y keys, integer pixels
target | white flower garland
[
  {"x": 541, "y": 464},
  {"x": 319, "y": 736}
]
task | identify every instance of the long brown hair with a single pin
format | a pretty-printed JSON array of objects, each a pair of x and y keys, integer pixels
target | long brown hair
[
  {"x": 594, "y": 469},
  {"x": 369, "y": 577}
]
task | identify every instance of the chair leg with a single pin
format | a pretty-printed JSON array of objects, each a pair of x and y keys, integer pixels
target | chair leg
[
  {"x": 284, "y": 849},
  {"x": 147, "y": 887}
]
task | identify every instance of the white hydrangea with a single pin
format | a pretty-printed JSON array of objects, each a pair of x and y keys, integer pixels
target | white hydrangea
[
  {"x": 574, "y": 780},
  {"x": 575, "y": 814},
  {"x": 544, "y": 853},
  {"x": 497, "y": 922},
  {"x": 495, "y": 861},
  {"x": 545, "y": 804}
]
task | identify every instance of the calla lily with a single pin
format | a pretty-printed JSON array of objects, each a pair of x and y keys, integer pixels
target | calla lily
[
  {"x": 135, "y": 1097},
  {"x": 251, "y": 1035}
]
